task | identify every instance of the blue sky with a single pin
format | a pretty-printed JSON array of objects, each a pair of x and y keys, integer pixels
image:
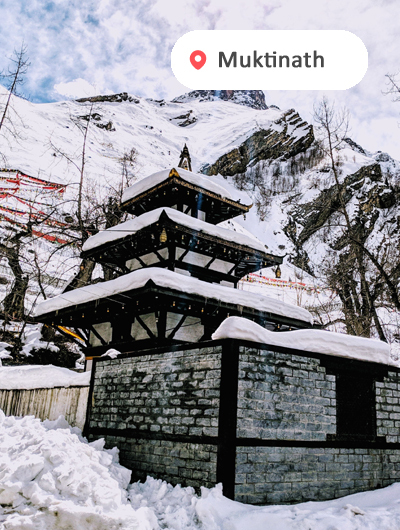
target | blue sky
[{"x": 84, "y": 47}]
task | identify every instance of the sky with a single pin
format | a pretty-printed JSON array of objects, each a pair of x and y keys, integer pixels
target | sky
[{"x": 107, "y": 46}]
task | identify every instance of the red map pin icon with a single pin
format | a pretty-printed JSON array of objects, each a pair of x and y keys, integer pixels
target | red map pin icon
[{"x": 198, "y": 59}]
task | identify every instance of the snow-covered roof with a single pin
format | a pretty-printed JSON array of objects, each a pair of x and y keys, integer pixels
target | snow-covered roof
[
  {"x": 49, "y": 376},
  {"x": 134, "y": 225},
  {"x": 195, "y": 179},
  {"x": 312, "y": 340},
  {"x": 177, "y": 282}
]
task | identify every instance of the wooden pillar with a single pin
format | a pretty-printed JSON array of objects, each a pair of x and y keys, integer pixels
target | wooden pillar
[{"x": 227, "y": 423}]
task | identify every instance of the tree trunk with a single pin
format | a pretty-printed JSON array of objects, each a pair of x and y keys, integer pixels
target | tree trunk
[
  {"x": 83, "y": 277},
  {"x": 14, "y": 302}
]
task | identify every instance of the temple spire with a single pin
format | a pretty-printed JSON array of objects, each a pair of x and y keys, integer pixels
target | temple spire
[{"x": 185, "y": 161}]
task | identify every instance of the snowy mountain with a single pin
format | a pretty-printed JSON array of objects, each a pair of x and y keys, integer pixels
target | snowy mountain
[
  {"x": 249, "y": 98},
  {"x": 51, "y": 141},
  {"x": 235, "y": 138}
]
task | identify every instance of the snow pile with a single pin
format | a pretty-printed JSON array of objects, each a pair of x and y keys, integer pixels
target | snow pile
[
  {"x": 174, "y": 506},
  {"x": 312, "y": 340},
  {"x": 51, "y": 479},
  {"x": 32, "y": 340},
  {"x": 30, "y": 336},
  {"x": 5, "y": 350},
  {"x": 44, "y": 376},
  {"x": 176, "y": 282},
  {"x": 196, "y": 179},
  {"x": 138, "y": 223},
  {"x": 112, "y": 353},
  {"x": 372, "y": 510}
]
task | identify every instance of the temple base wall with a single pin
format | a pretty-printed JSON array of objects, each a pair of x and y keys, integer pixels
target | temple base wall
[{"x": 262, "y": 420}]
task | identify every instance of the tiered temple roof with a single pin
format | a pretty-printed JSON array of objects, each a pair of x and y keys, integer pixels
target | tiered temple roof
[
  {"x": 171, "y": 239},
  {"x": 188, "y": 192},
  {"x": 174, "y": 270}
]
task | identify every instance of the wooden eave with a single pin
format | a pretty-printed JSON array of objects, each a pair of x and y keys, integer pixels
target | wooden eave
[
  {"x": 147, "y": 240},
  {"x": 174, "y": 187},
  {"x": 152, "y": 298}
]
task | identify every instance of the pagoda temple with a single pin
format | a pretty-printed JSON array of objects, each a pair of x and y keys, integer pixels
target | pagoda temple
[{"x": 175, "y": 270}]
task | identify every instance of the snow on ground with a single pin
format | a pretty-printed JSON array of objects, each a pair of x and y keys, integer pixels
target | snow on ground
[
  {"x": 40, "y": 376},
  {"x": 312, "y": 340},
  {"x": 52, "y": 479},
  {"x": 32, "y": 340}
]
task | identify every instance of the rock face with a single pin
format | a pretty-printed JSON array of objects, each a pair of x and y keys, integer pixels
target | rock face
[
  {"x": 184, "y": 120},
  {"x": 112, "y": 98},
  {"x": 366, "y": 189},
  {"x": 354, "y": 146},
  {"x": 287, "y": 137},
  {"x": 249, "y": 98}
]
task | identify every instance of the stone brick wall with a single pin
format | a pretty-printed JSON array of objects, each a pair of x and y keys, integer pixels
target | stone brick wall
[
  {"x": 284, "y": 397},
  {"x": 258, "y": 418},
  {"x": 274, "y": 475},
  {"x": 162, "y": 412},
  {"x": 388, "y": 407},
  {"x": 176, "y": 462}
]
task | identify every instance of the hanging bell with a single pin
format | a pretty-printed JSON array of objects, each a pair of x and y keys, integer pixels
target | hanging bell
[{"x": 163, "y": 236}]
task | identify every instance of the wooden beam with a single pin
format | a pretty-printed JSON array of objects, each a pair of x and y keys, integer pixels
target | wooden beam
[
  {"x": 103, "y": 342},
  {"x": 81, "y": 332},
  {"x": 177, "y": 327},
  {"x": 162, "y": 324},
  {"x": 142, "y": 263},
  {"x": 200, "y": 272},
  {"x": 69, "y": 337},
  {"x": 161, "y": 259},
  {"x": 234, "y": 267},
  {"x": 171, "y": 256},
  {"x": 181, "y": 258},
  {"x": 146, "y": 328},
  {"x": 207, "y": 266}
]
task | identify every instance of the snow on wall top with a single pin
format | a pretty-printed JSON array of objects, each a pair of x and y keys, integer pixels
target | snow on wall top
[
  {"x": 48, "y": 376},
  {"x": 312, "y": 340},
  {"x": 193, "y": 178},
  {"x": 134, "y": 225},
  {"x": 178, "y": 282}
]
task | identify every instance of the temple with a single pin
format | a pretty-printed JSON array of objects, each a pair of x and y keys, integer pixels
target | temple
[
  {"x": 175, "y": 270},
  {"x": 214, "y": 384}
]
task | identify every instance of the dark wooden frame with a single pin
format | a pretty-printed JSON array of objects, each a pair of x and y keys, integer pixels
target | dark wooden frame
[{"x": 244, "y": 259}]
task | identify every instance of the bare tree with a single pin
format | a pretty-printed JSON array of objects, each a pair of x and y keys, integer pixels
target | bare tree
[
  {"x": 16, "y": 240},
  {"x": 358, "y": 274},
  {"x": 10, "y": 247},
  {"x": 393, "y": 87},
  {"x": 14, "y": 79},
  {"x": 91, "y": 209}
]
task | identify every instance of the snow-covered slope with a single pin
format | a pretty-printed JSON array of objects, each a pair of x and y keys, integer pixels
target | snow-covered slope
[{"x": 154, "y": 128}]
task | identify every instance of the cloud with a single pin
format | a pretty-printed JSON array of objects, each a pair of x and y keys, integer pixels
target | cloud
[
  {"x": 79, "y": 88},
  {"x": 125, "y": 45}
]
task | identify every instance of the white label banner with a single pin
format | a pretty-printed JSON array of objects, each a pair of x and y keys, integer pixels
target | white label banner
[{"x": 269, "y": 60}]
